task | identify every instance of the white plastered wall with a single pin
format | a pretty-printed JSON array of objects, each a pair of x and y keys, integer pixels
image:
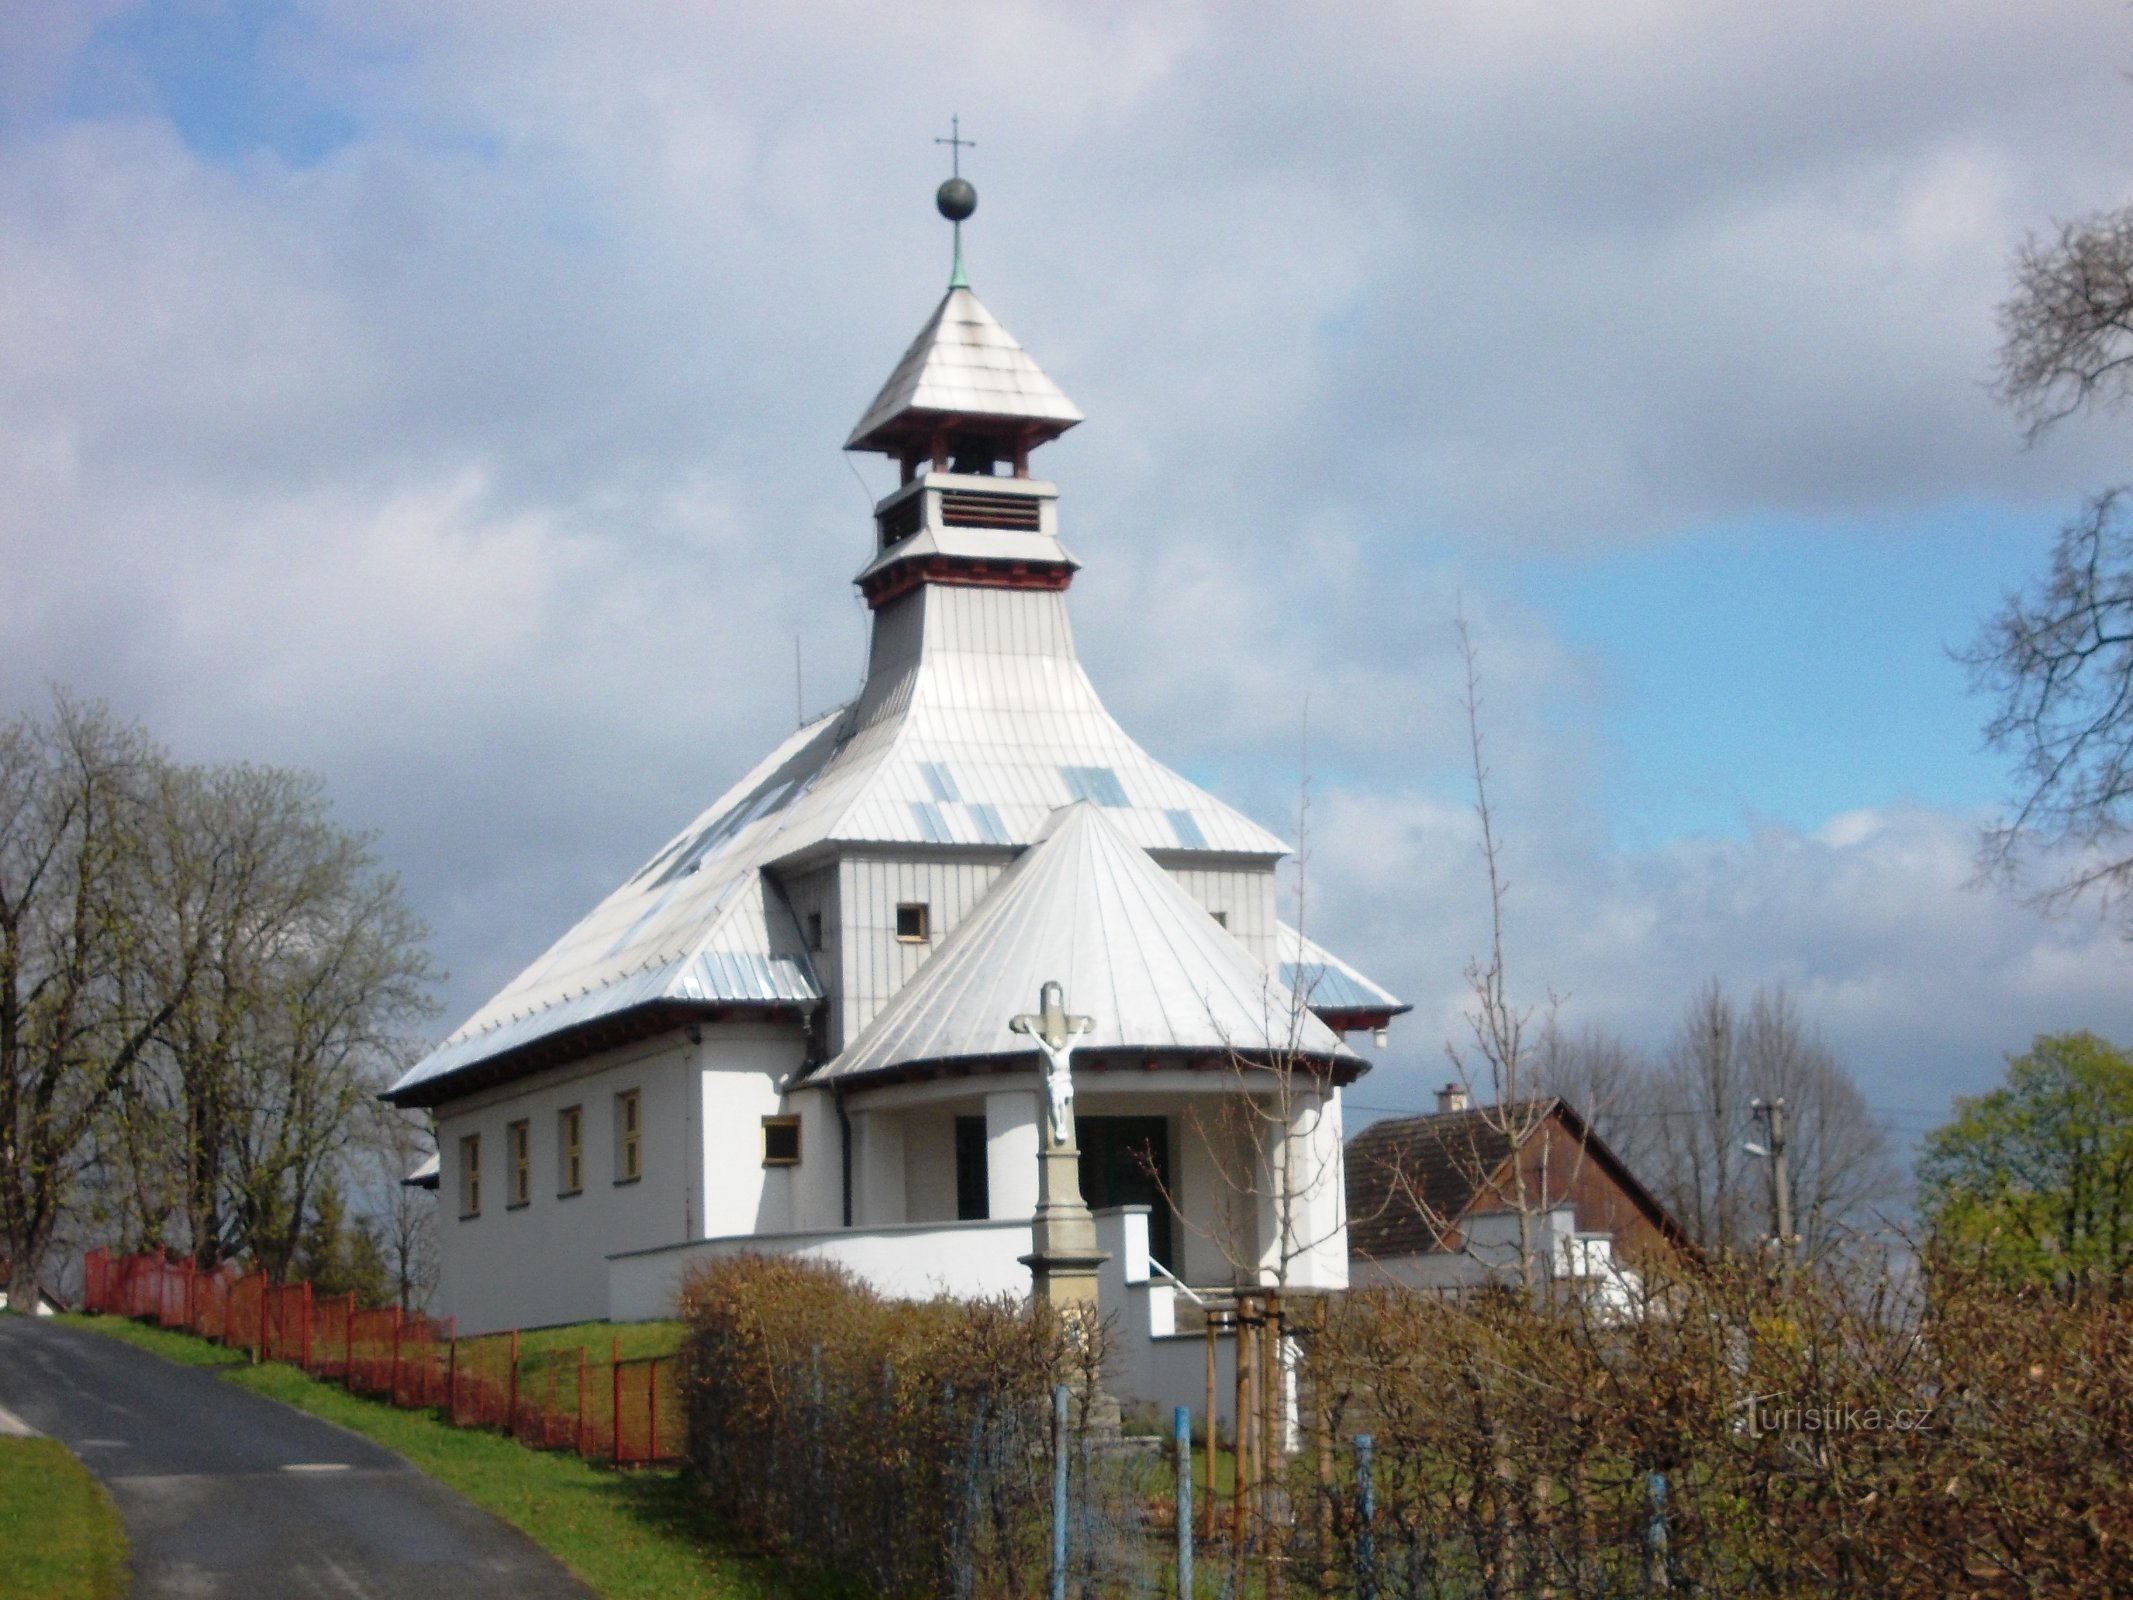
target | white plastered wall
[
  {"x": 1318, "y": 1230},
  {"x": 546, "y": 1262},
  {"x": 904, "y": 1156},
  {"x": 701, "y": 1110},
  {"x": 742, "y": 1066},
  {"x": 1241, "y": 893}
]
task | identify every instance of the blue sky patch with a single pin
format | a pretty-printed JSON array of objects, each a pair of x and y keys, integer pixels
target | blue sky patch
[{"x": 233, "y": 79}]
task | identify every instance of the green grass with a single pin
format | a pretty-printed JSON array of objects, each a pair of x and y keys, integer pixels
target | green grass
[
  {"x": 638, "y": 1338},
  {"x": 60, "y": 1537},
  {"x": 183, "y": 1348},
  {"x": 637, "y": 1535}
]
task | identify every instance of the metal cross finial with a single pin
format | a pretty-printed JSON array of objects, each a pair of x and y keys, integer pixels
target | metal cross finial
[
  {"x": 1054, "y": 1031},
  {"x": 956, "y": 145}
]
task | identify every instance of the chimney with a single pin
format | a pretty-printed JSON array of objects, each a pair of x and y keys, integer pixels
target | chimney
[{"x": 1452, "y": 1097}]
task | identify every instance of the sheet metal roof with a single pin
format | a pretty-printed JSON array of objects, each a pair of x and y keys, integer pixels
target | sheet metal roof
[
  {"x": 1086, "y": 906},
  {"x": 963, "y": 363},
  {"x": 1327, "y": 982},
  {"x": 955, "y": 747},
  {"x": 697, "y": 923},
  {"x": 1015, "y": 737}
]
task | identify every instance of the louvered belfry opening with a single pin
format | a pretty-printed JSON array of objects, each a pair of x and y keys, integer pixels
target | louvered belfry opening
[
  {"x": 900, "y": 521},
  {"x": 969, "y": 508}
]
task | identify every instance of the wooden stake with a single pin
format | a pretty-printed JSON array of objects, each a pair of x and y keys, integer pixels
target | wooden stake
[{"x": 1207, "y": 1500}]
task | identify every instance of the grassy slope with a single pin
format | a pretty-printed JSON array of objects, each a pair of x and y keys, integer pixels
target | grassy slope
[
  {"x": 182, "y": 1348},
  {"x": 638, "y": 1338},
  {"x": 630, "y": 1535},
  {"x": 60, "y": 1538}
]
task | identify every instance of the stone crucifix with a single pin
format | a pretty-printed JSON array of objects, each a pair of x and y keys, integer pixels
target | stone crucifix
[
  {"x": 1054, "y": 1032},
  {"x": 1065, "y": 1256}
]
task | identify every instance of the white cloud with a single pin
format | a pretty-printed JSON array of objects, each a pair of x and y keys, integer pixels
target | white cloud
[
  {"x": 488, "y": 462},
  {"x": 1922, "y": 978}
]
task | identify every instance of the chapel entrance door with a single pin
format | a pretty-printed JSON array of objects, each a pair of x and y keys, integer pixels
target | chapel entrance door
[{"x": 1125, "y": 1161}]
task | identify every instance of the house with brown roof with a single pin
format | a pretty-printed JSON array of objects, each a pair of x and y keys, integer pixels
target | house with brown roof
[{"x": 1434, "y": 1202}]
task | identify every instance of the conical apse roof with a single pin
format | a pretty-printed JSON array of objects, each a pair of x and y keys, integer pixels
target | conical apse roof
[{"x": 1086, "y": 906}]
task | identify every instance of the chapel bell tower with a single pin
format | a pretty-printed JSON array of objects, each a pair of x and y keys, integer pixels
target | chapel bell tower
[{"x": 961, "y": 414}]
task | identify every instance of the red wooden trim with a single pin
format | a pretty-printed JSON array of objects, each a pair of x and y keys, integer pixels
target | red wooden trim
[{"x": 963, "y": 572}]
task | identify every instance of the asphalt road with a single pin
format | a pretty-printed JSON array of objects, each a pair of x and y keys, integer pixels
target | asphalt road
[{"x": 227, "y": 1495}]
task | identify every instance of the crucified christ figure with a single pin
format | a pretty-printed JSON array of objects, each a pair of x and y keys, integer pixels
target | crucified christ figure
[{"x": 1053, "y": 1030}]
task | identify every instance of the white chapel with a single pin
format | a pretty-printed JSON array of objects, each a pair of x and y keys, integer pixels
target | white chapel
[{"x": 789, "y": 1030}]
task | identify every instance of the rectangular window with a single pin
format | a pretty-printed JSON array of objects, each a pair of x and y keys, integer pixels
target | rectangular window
[
  {"x": 629, "y": 1137},
  {"x": 570, "y": 1148},
  {"x": 973, "y": 1183},
  {"x": 781, "y": 1141},
  {"x": 814, "y": 930},
  {"x": 912, "y": 923},
  {"x": 519, "y": 1138},
  {"x": 470, "y": 1175}
]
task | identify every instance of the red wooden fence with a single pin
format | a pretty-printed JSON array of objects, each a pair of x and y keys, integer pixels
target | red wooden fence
[{"x": 593, "y": 1402}]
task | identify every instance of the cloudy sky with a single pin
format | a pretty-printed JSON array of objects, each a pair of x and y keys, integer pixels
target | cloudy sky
[{"x": 447, "y": 398}]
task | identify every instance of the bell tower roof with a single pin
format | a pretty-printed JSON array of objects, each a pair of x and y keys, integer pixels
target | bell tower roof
[{"x": 965, "y": 373}]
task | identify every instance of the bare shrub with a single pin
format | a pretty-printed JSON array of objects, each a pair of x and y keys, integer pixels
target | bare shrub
[
  {"x": 902, "y": 1445},
  {"x": 1928, "y": 1436}
]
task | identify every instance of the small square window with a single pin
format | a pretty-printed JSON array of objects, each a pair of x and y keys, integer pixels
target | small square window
[
  {"x": 470, "y": 1175},
  {"x": 629, "y": 1136},
  {"x": 781, "y": 1141},
  {"x": 1221, "y": 918},
  {"x": 570, "y": 1149},
  {"x": 814, "y": 930},
  {"x": 912, "y": 923},
  {"x": 519, "y": 1137}
]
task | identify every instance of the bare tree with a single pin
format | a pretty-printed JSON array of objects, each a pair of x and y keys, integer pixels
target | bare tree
[
  {"x": 202, "y": 982},
  {"x": 1498, "y": 1063},
  {"x": 1719, "y": 1063},
  {"x": 1273, "y": 1141},
  {"x": 1702, "y": 1171},
  {"x": 2067, "y": 330},
  {"x": 407, "y": 1216},
  {"x": 98, "y": 948},
  {"x": 1610, "y": 1085},
  {"x": 315, "y": 972},
  {"x": 2059, "y": 659},
  {"x": 1844, "y": 1175}
]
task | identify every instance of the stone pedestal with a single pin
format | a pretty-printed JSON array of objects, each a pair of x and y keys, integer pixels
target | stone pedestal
[{"x": 1064, "y": 1257}]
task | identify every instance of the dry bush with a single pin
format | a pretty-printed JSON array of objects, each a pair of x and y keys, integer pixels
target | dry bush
[
  {"x": 1927, "y": 1436},
  {"x": 905, "y": 1446}
]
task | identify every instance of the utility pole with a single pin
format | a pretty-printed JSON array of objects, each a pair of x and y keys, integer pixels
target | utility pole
[{"x": 1771, "y": 1113}]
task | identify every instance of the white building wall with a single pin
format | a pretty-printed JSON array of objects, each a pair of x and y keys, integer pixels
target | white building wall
[
  {"x": 929, "y": 1164},
  {"x": 917, "y": 1262},
  {"x": 742, "y": 1066},
  {"x": 814, "y": 894},
  {"x": 875, "y": 963},
  {"x": 1319, "y": 1225},
  {"x": 813, "y": 1191},
  {"x": 545, "y": 1262},
  {"x": 1242, "y": 894},
  {"x": 1011, "y": 1143},
  {"x": 877, "y": 1169},
  {"x": 1220, "y": 1228}
]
